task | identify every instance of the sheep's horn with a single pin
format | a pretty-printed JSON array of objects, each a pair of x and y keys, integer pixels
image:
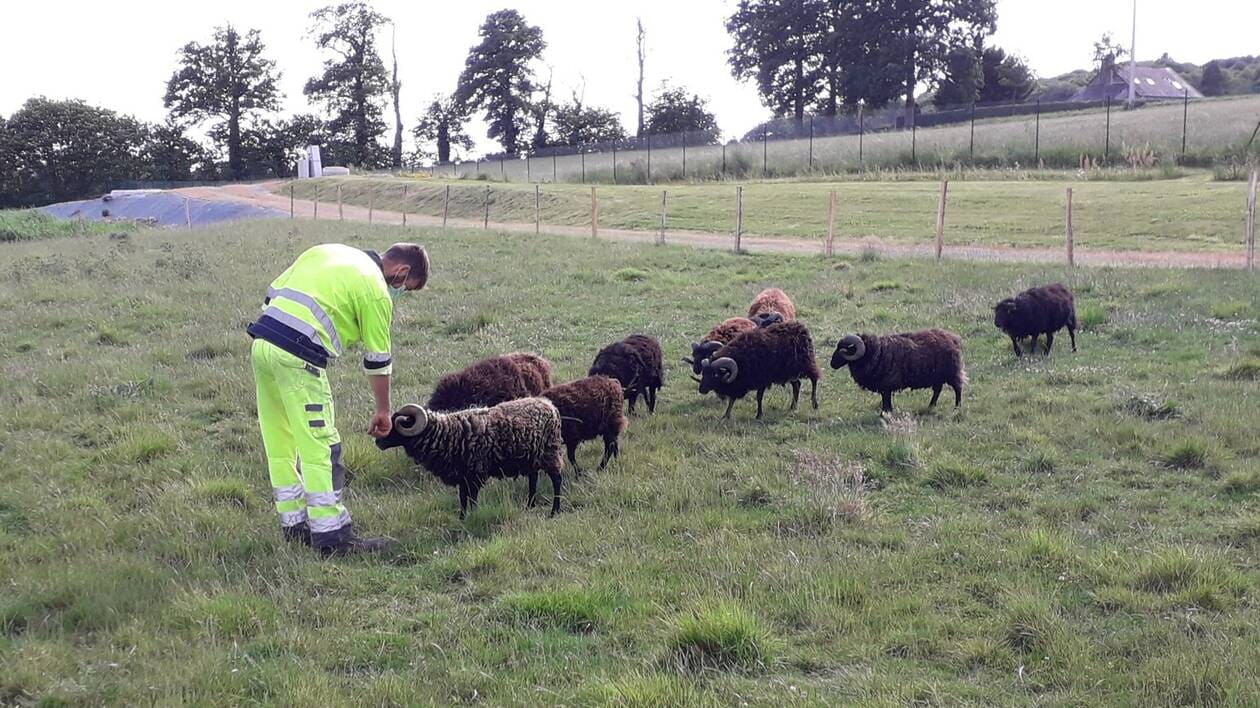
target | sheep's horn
[
  {"x": 419, "y": 418},
  {"x": 852, "y": 347},
  {"x": 696, "y": 378},
  {"x": 730, "y": 369}
]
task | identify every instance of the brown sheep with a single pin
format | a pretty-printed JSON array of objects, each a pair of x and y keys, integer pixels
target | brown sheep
[
  {"x": 589, "y": 408},
  {"x": 492, "y": 381},
  {"x": 720, "y": 335},
  {"x": 772, "y": 300}
]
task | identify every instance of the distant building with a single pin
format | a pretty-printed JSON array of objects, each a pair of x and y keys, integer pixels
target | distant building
[{"x": 1154, "y": 83}]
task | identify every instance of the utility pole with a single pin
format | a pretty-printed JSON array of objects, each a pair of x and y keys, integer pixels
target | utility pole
[{"x": 1133, "y": 58}]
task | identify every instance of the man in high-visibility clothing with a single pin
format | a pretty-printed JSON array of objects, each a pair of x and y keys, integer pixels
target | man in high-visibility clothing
[{"x": 330, "y": 298}]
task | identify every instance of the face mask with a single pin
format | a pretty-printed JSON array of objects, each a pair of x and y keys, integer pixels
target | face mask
[{"x": 396, "y": 291}]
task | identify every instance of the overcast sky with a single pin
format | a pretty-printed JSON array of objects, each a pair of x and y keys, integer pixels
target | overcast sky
[{"x": 119, "y": 53}]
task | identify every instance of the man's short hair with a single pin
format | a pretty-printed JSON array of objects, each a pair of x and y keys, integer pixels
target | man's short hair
[{"x": 414, "y": 255}]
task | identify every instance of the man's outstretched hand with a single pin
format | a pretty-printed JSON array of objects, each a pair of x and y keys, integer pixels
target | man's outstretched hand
[{"x": 381, "y": 424}]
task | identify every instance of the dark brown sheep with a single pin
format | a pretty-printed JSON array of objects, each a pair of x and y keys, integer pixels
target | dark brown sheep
[
  {"x": 637, "y": 363},
  {"x": 589, "y": 408},
  {"x": 756, "y": 360},
  {"x": 720, "y": 334},
  {"x": 1034, "y": 312},
  {"x": 492, "y": 381},
  {"x": 772, "y": 300},
  {"x": 466, "y": 448},
  {"x": 890, "y": 363}
]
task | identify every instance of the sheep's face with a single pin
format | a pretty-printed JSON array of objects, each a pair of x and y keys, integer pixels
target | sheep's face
[
  {"x": 407, "y": 424},
  {"x": 851, "y": 349},
  {"x": 701, "y": 352},
  {"x": 766, "y": 319},
  {"x": 718, "y": 375},
  {"x": 1004, "y": 312}
]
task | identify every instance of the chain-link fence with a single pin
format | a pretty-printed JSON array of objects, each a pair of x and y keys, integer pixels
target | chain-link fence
[{"x": 1061, "y": 135}]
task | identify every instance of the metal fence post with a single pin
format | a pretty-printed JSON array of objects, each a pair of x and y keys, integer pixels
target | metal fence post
[
  {"x": 502, "y": 170},
  {"x": 537, "y": 215},
  {"x": 553, "y": 168},
  {"x": 528, "y": 175},
  {"x": 971, "y": 147},
  {"x": 861, "y": 136},
  {"x": 684, "y": 165},
  {"x": 1185, "y": 115},
  {"x": 614, "y": 165},
  {"x": 765, "y": 165},
  {"x": 1107, "y": 134},
  {"x": 811, "y": 143},
  {"x": 723, "y": 159},
  {"x": 583, "y": 156},
  {"x": 649, "y": 160},
  {"x": 1037, "y": 136},
  {"x": 914, "y": 135}
]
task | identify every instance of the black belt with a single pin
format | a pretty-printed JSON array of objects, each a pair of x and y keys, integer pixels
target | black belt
[{"x": 269, "y": 329}]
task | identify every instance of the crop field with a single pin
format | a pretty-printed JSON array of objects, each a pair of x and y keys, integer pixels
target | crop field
[
  {"x": 1187, "y": 214},
  {"x": 1212, "y": 128},
  {"x": 1084, "y": 530}
]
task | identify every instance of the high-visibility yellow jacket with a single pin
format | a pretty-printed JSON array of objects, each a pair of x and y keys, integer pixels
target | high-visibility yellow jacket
[{"x": 336, "y": 295}]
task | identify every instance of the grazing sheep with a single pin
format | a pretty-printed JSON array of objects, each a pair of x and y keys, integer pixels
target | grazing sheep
[
  {"x": 589, "y": 408},
  {"x": 772, "y": 300},
  {"x": 720, "y": 334},
  {"x": 466, "y": 448},
  {"x": 766, "y": 319},
  {"x": 637, "y": 363},
  {"x": 889, "y": 363},
  {"x": 1034, "y": 312},
  {"x": 754, "y": 361},
  {"x": 492, "y": 381}
]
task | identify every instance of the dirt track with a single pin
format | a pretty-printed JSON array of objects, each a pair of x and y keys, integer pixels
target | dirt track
[{"x": 260, "y": 194}]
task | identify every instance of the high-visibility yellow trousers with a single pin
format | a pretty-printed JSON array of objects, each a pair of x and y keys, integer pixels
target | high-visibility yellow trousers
[{"x": 296, "y": 416}]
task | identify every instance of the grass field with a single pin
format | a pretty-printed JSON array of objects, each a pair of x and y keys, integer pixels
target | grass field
[
  {"x": 1084, "y": 531},
  {"x": 1213, "y": 128},
  {"x": 1188, "y": 214},
  {"x": 29, "y": 224}
]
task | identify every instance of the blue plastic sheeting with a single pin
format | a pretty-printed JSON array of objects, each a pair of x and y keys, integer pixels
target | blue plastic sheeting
[{"x": 164, "y": 208}]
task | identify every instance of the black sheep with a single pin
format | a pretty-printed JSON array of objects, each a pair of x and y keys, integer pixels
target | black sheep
[
  {"x": 894, "y": 362},
  {"x": 721, "y": 334},
  {"x": 1034, "y": 312},
  {"x": 756, "y": 360},
  {"x": 636, "y": 362},
  {"x": 492, "y": 381},
  {"x": 589, "y": 408}
]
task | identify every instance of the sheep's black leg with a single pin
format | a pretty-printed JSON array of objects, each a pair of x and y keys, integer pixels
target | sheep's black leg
[
  {"x": 813, "y": 392},
  {"x": 610, "y": 449},
  {"x": 761, "y": 392},
  {"x": 474, "y": 490},
  {"x": 573, "y": 459},
  {"x": 632, "y": 396},
  {"x": 796, "y": 394},
  {"x": 1032, "y": 349},
  {"x": 463, "y": 500},
  {"x": 533, "y": 489},
  {"x": 730, "y": 403},
  {"x": 651, "y": 399},
  {"x": 1049, "y": 342},
  {"x": 554, "y": 474},
  {"x": 1015, "y": 343},
  {"x": 936, "y": 393},
  {"x": 1072, "y": 334},
  {"x": 957, "y": 393},
  {"x": 887, "y": 403}
]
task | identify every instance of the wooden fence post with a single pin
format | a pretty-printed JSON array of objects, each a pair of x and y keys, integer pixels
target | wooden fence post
[
  {"x": 537, "y": 212},
  {"x": 404, "y": 204},
  {"x": 661, "y": 240},
  {"x": 315, "y": 216},
  {"x": 486, "y": 223},
  {"x": 371, "y": 205},
  {"x": 291, "y": 211},
  {"x": 739, "y": 216},
  {"x": 1251, "y": 221},
  {"x": 594, "y": 214},
  {"x": 1071, "y": 234},
  {"x": 831, "y": 225},
  {"x": 940, "y": 219},
  {"x": 340, "y": 216},
  {"x": 446, "y": 205}
]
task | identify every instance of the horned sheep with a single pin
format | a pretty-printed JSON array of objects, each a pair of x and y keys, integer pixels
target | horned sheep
[
  {"x": 890, "y": 363},
  {"x": 756, "y": 360}
]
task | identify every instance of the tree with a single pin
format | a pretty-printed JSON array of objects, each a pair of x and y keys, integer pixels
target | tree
[
  {"x": 641, "y": 55},
  {"x": 228, "y": 79},
  {"x": 857, "y": 60},
  {"x": 1213, "y": 81},
  {"x": 442, "y": 127},
  {"x": 674, "y": 110},
  {"x": 497, "y": 76},
  {"x": 963, "y": 81},
  {"x": 69, "y": 150},
  {"x": 578, "y": 124},
  {"x": 169, "y": 155},
  {"x": 539, "y": 110},
  {"x": 1006, "y": 77},
  {"x": 776, "y": 42},
  {"x": 1106, "y": 51},
  {"x": 395, "y": 89},
  {"x": 354, "y": 82},
  {"x": 919, "y": 34}
]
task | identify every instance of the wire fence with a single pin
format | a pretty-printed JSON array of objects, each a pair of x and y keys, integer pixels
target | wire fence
[{"x": 1195, "y": 132}]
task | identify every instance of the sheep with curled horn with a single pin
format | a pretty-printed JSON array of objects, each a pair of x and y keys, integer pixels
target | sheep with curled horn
[
  {"x": 720, "y": 335},
  {"x": 894, "y": 362},
  {"x": 466, "y": 448},
  {"x": 756, "y": 360}
]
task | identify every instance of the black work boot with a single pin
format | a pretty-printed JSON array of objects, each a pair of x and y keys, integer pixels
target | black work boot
[
  {"x": 357, "y": 545},
  {"x": 297, "y": 533}
]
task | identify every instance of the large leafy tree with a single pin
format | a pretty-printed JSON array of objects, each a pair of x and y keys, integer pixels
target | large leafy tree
[
  {"x": 777, "y": 43},
  {"x": 354, "y": 82},
  {"x": 228, "y": 80},
  {"x": 440, "y": 131},
  {"x": 676, "y": 110},
  {"x": 919, "y": 35},
  {"x": 1006, "y": 77},
  {"x": 169, "y": 155},
  {"x": 579, "y": 124},
  {"x": 63, "y": 150},
  {"x": 1213, "y": 81},
  {"x": 857, "y": 61},
  {"x": 498, "y": 78},
  {"x": 963, "y": 78}
]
